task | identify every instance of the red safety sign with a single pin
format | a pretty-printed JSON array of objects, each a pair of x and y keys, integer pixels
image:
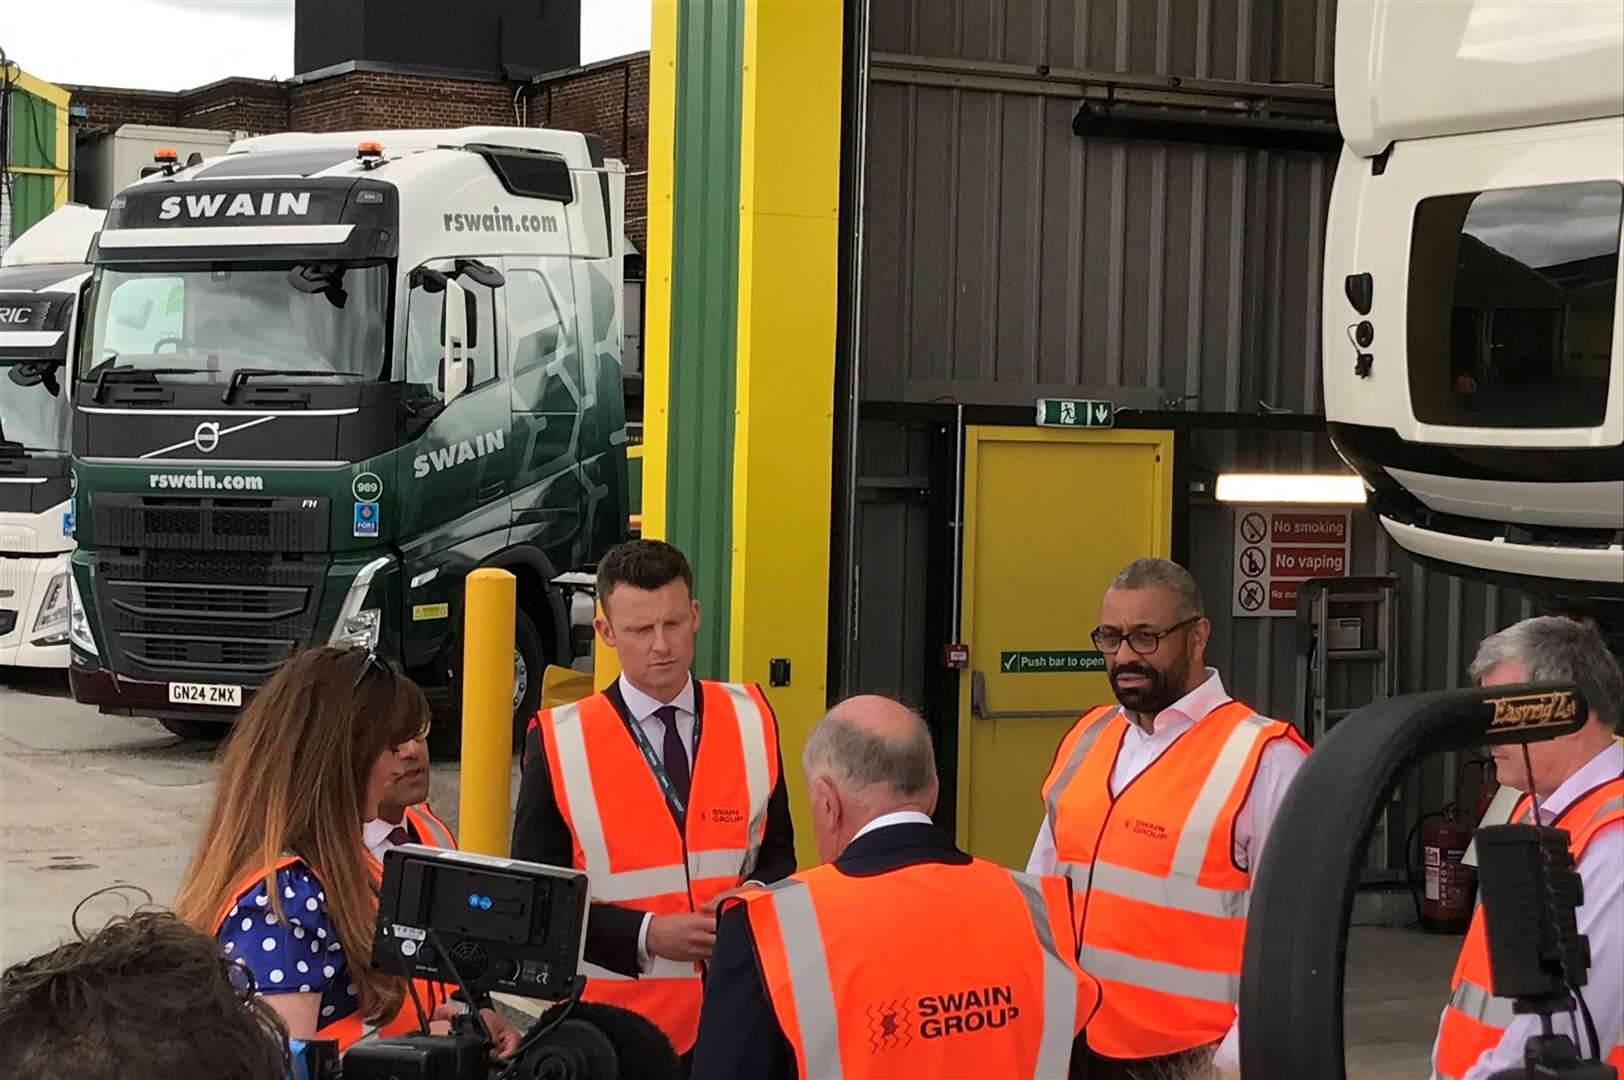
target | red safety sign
[{"x": 1276, "y": 550}]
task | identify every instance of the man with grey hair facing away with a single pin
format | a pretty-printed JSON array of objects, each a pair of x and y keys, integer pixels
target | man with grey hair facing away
[
  {"x": 1578, "y": 780},
  {"x": 1157, "y": 809},
  {"x": 900, "y": 955}
]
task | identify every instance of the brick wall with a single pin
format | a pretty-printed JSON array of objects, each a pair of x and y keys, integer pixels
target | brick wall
[
  {"x": 110, "y": 107},
  {"x": 610, "y": 100},
  {"x": 252, "y": 105},
  {"x": 366, "y": 99}
]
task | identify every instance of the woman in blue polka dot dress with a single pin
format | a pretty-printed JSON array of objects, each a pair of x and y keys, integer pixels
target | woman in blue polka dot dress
[{"x": 282, "y": 877}]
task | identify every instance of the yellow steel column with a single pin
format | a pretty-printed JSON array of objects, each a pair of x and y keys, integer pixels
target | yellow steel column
[
  {"x": 662, "y": 110},
  {"x": 485, "y": 810},
  {"x": 789, "y": 193}
]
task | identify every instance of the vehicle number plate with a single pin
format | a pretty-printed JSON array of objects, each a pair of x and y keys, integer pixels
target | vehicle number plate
[{"x": 187, "y": 693}]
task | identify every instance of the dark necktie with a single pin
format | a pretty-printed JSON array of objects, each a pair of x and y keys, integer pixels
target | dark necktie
[
  {"x": 398, "y": 836},
  {"x": 676, "y": 755}
]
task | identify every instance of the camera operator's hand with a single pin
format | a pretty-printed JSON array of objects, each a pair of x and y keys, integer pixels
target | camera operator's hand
[
  {"x": 506, "y": 1036},
  {"x": 689, "y": 937}
]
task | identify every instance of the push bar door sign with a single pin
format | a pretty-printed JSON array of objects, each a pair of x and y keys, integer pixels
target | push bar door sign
[
  {"x": 1066, "y": 412},
  {"x": 1277, "y": 548}
]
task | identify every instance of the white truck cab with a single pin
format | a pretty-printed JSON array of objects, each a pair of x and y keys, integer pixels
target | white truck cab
[
  {"x": 1473, "y": 350},
  {"x": 41, "y": 277}
]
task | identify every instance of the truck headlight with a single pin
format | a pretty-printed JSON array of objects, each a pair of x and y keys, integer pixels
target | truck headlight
[
  {"x": 357, "y": 630},
  {"x": 78, "y": 624},
  {"x": 358, "y": 625},
  {"x": 51, "y": 625}
]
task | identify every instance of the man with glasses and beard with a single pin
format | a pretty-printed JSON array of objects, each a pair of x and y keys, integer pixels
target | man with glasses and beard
[{"x": 1157, "y": 809}]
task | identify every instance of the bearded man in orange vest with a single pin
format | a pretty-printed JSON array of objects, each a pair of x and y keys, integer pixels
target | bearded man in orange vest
[
  {"x": 1579, "y": 782},
  {"x": 901, "y": 956},
  {"x": 1157, "y": 810},
  {"x": 669, "y": 792}
]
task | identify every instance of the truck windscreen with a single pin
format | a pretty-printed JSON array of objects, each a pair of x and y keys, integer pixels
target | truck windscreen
[
  {"x": 209, "y": 322},
  {"x": 35, "y": 411}
]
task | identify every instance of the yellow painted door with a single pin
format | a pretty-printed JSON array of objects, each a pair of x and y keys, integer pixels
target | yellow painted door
[{"x": 1050, "y": 517}]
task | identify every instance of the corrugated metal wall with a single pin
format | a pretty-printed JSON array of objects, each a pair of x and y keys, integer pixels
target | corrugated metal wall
[
  {"x": 1005, "y": 258},
  {"x": 1245, "y": 40}
]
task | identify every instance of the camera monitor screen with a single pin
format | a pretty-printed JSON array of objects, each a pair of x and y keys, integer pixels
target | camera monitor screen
[{"x": 501, "y": 924}]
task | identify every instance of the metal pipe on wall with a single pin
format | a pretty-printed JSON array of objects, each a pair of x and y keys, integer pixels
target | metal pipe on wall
[{"x": 854, "y": 350}]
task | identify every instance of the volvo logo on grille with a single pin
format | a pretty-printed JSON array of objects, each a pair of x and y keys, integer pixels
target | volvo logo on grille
[{"x": 207, "y": 436}]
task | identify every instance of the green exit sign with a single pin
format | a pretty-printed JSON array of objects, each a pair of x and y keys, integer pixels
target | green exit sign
[
  {"x": 1065, "y": 412},
  {"x": 1032, "y": 661}
]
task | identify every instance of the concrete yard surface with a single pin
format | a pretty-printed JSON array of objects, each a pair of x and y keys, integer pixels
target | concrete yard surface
[{"x": 90, "y": 801}]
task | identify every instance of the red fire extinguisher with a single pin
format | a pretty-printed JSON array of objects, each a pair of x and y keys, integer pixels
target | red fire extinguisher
[{"x": 1449, "y": 887}]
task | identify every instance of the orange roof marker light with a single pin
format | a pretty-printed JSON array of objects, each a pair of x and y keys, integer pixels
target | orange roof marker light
[
  {"x": 369, "y": 154},
  {"x": 166, "y": 155}
]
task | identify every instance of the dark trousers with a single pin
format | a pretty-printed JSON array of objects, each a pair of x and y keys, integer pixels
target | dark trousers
[{"x": 1194, "y": 1064}]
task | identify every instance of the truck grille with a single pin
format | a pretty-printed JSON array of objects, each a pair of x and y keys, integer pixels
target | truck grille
[
  {"x": 237, "y": 525},
  {"x": 207, "y": 616}
]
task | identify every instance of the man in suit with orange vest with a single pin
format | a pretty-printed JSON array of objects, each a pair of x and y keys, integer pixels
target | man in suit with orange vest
[
  {"x": 901, "y": 955},
  {"x": 1157, "y": 809},
  {"x": 668, "y": 791},
  {"x": 1578, "y": 781}
]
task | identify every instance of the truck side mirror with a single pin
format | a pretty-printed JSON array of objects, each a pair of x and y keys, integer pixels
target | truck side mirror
[{"x": 454, "y": 354}]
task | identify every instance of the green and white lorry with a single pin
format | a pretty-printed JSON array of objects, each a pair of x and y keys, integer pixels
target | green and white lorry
[{"x": 320, "y": 379}]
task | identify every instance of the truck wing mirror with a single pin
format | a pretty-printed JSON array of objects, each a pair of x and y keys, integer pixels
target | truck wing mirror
[
  {"x": 454, "y": 354},
  {"x": 480, "y": 273}
]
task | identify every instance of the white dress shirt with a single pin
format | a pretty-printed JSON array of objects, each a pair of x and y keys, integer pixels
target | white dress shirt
[
  {"x": 1600, "y": 917},
  {"x": 895, "y": 817},
  {"x": 1276, "y": 766},
  {"x": 375, "y": 835},
  {"x": 643, "y": 708}
]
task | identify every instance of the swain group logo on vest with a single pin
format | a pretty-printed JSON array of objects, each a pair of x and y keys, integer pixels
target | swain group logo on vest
[
  {"x": 939, "y": 1016},
  {"x": 1152, "y": 830}
]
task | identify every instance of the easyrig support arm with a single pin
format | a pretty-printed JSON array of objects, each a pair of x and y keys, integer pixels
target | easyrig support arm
[{"x": 1297, "y": 924}]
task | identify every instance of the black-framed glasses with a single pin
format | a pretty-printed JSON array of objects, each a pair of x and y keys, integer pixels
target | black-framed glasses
[
  {"x": 1108, "y": 639},
  {"x": 373, "y": 662}
]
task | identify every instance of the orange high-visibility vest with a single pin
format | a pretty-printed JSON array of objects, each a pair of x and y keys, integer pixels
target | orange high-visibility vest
[
  {"x": 1160, "y": 903},
  {"x": 928, "y": 970},
  {"x": 626, "y": 839},
  {"x": 1475, "y": 1020},
  {"x": 351, "y": 1029}
]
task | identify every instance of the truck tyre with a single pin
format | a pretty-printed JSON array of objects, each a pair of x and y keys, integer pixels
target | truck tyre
[
  {"x": 529, "y": 663},
  {"x": 197, "y": 730}
]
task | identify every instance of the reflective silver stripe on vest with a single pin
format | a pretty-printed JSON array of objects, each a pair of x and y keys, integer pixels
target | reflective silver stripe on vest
[
  {"x": 1179, "y": 893},
  {"x": 626, "y": 885},
  {"x": 1482, "y": 1006},
  {"x": 1059, "y": 985},
  {"x": 579, "y": 798},
  {"x": 1078, "y": 752},
  {"x": 437, "y": 834},
  {"x": 661, "y": 968},
  {"x": 1155, "y": 975},
  {"x": 1611, "y": 806},
  {"x": 720, "y": 863},
  {"x": 1215, "y": 791},
  {"x": 808, "y": 978},
  {"x": 757, "y": 767}
]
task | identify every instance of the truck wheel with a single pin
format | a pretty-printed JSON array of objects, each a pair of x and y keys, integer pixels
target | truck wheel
[
  {"x": 529, "y": 662},
  {"x": 198, "y": 730}
]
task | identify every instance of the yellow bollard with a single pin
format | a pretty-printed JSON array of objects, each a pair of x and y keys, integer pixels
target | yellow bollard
[{"x": 487, "y": 713}]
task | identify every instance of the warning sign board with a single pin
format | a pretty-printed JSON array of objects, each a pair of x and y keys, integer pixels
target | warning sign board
[{"x": 1278, "y": 549}]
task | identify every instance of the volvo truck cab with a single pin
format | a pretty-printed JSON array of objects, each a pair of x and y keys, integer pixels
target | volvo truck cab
[
  {"x": 1473, "y": 348},
  {"x": 321, "y": 379},
  {"x": 41, "y": 275}
]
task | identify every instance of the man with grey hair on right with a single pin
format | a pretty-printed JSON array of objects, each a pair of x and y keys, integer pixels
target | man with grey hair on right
[
  {"x": 901, "y": 955},
  {"x": 1578, "y": 780}
]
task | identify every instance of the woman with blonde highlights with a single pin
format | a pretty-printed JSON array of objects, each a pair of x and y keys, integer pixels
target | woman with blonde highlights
[{"x": 282, "y": 876}]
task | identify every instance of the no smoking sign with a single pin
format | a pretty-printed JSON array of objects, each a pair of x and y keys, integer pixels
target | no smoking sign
[{"x": 1277, "y": 549}]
